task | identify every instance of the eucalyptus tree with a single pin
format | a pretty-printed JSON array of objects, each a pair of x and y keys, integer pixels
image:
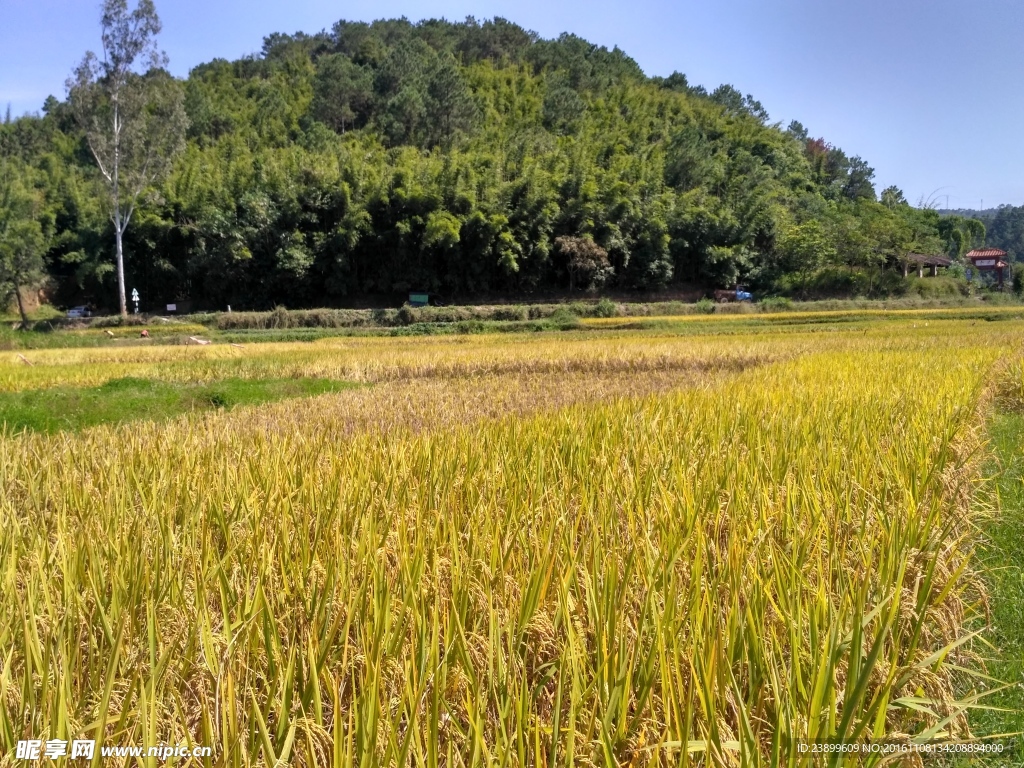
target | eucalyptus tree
[{"x": 131, "y": 111}]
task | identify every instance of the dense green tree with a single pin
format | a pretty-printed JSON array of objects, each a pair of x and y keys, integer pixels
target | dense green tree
[
  {"x": 563, "y": 107},
  {"x": 343, "y": 93},
  {"x": 450, "y": 107},
  {"x": 497, "y": 40},
  {"x": 462, "y": 158},
  {"x": 960, "y": 234},
  {"x": 25, "y": 227},
  {"x": 859, "y": 177},
  {"x": 736, "y": 103},
  {"x": 1006, "y": 230},
  {"x": 805, "y": 247},
  {"x": 892, "y": 197}
]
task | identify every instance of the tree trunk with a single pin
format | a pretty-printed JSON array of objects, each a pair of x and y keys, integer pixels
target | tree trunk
[
  {"x": 21, "y": 307},
  {"x": 120, "y": 273},
  {"x": 119, "y": 225}
]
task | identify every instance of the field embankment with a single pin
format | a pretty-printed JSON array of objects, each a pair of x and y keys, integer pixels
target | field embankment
[{"x": 281, "y": 325}]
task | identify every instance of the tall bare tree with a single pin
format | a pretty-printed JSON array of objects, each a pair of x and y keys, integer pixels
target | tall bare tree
[{"x": 132, "y": 112}]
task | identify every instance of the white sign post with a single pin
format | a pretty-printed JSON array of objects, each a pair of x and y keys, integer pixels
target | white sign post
[{"x": 135, "y": 298}]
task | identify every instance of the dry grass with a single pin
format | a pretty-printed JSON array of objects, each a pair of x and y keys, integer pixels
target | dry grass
[{"x": 379, "y": 359}]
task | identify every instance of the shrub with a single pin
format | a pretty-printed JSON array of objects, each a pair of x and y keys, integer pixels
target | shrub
[
  {"x": 238, "y": 321},
  {"x": 956, "y": 269},
  {"x": 443, "y": 314},
  {"x": 775, "y": 304},
  {"x": 381, "y": 317},
  {"x": 705, "y": 306},
  {"x": 279, "y": 317},
  {"x": 406, "y": 315},
  {"x": 563, "y": 319},
  {"x": 672, "y": 308},
  {"x": 114, "y": 321},
  {"x": 735, "y": 308},
  {"x": 509, "y": 313},
  {"x": 606, "y": 308},
  {"x": 470, "y": 326},
  {"x": 936, "y": 287}
]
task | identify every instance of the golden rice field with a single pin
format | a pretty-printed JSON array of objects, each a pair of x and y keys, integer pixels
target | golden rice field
[{"x": 596, "y": 548}]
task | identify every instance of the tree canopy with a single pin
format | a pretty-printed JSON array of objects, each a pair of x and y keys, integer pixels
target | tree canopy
[
  {"x": 25, "y": 228},
  {"x": 1005, "y": 229},
  {"x": 463, "y": 159}
]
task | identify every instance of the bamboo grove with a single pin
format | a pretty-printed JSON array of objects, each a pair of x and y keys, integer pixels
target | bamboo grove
[{"x": 467, "y": 159}]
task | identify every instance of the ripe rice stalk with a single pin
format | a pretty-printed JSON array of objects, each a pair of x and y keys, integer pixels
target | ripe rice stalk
[{"x": 700, "y": 574}]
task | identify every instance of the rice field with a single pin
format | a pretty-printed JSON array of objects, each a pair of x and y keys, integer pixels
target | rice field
[{"x": 593, "y": 548}]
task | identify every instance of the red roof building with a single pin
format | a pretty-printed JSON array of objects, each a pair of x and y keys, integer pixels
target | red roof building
[
  {"x": 989, "y": 259},
  {"x": 993, "y": 255}
]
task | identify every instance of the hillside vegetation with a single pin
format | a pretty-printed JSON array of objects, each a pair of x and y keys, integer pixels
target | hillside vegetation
[{"x": 468, "y": 159}]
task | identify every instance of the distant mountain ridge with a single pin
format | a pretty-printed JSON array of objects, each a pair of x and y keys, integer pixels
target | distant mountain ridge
[{"x": 973, "y": 213}]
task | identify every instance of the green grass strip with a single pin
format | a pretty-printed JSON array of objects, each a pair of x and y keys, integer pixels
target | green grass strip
[
  {"x": 132, "y": 399},
  {"x": 1003, "y": 567}
]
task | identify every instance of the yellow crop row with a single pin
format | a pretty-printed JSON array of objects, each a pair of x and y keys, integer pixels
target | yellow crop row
[{"x": 644, "y": 550}]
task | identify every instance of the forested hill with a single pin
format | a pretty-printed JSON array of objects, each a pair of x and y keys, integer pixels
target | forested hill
[{"x": 463, "y": 159}]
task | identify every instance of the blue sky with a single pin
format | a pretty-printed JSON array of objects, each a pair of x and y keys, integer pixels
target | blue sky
[{"x": 929, "y": 92}]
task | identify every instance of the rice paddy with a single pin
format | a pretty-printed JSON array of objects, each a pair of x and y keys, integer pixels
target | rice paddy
[{"x": 600, "y": 547}]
